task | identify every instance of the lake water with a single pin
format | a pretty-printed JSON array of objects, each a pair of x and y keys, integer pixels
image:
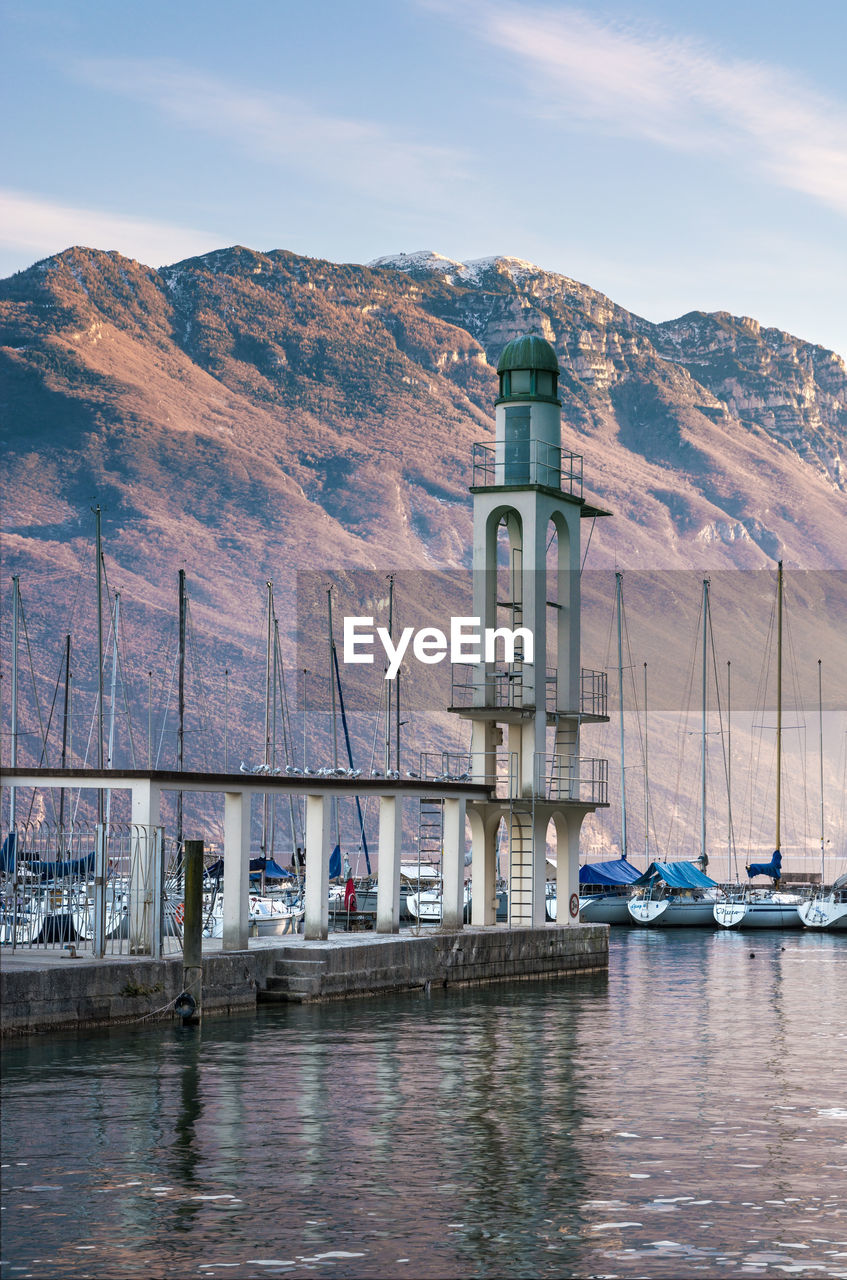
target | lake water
[{"x": 685, "y": 1116}]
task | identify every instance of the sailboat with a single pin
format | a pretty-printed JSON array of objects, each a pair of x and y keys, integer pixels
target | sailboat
[
  {"x": 763, "y": 908},
  {"x": 825, "y": 911},
  {"x": 680, "y": 894}
]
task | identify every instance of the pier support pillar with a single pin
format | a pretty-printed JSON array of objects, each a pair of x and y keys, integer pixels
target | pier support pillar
[
  {"x": 485, "y": 823},
  {"x": 146, "y": 872},
  {"x": 317, "y": 867},
  {"x": 453, "y": 865},
  {"x": 567, "y": 864},
  {"x": 388, "y": 881},
  {"x": 236, "y": 870}
]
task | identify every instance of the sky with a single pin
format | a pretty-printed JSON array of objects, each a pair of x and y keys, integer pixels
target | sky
[{"x": 677, "y": 158}]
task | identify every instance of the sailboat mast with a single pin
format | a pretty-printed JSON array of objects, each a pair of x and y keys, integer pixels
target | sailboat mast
[
  {"x": 619, "y": 610},
  {"x": 820, "y": 740},
  {"x": 388, "y": 682},
  {"x": 16, "y": 606},
  {"x": 266, "y": 759},
  {"x": 112, "y": 698},
  {"x": 334, "y": 714},
  {"x": 703, "y": 726},
  {"x": 646, "y": 780},
  {"x": 180, "y": 733},
  {"x": 65, "y": 717},
  {"x": 99, "y": 552},
  {"x": 778, "y": 701}
]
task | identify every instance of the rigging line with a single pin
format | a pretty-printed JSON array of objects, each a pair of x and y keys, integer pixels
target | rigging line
[
  {"x": 726, "y": 768},
  {"x": 801, "y": 718},
  {"x": 587, "y": 545},
  {"x": 127, "y": 710},
  {"x": 191, "y": 646},
  {"x": 167, "y": 708},
  {"x": 350, "y": 758},
  {"x": 44, "y": 755},
  {"x": 759, "y": 707},
  {"x": 682, "y": 729},
  {"x": 638, "y": 723},
  {"x": 377, "y": 724},
  {"x": 287, "y": 743},
  {"x": 72, "y": 609}
]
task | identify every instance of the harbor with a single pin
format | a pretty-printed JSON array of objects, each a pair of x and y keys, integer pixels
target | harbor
[{"x": 679, "y": 1115}]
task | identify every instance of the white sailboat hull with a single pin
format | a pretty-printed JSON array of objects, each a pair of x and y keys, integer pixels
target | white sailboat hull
[
  {"x": 764, "y": 914},
  {"x": 823, "y": 914},
  {"x": 610, "y": 908},
  {"x": 669, "y": 914}
]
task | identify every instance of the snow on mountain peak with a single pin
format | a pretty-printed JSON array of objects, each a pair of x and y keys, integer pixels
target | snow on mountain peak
[{"x": 470, "y": 272}]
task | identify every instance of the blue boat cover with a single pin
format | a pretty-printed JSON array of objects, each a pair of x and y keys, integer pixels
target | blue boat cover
[
  {"x": 335, "y": 863},
  {"x": 7, "y": 853},
  {"x": 772, "y": 868},
  {"x": 677, "y": 875},
  {"x": 617, "y": 872},
  {"x": 60, "y": 870},
  {"x": 272, "y": 869}
]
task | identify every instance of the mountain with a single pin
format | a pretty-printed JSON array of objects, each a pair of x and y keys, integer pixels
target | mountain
[{"x": 247, "y": 415}]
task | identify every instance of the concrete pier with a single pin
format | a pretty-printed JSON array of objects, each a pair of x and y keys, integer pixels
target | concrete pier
[{"x": 42, "y": 991}]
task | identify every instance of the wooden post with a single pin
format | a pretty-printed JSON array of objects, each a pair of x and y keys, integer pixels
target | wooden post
[{"x": 192, "y": 935}]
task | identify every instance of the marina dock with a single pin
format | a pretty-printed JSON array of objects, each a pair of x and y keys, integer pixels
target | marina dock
[{"x": 45, "y": 991}]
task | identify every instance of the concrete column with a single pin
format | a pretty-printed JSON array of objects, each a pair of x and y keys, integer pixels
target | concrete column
[
  {"x": 144, "y": 876},
  {"x": 317, "y": 866},
  {"x": 484, "y": 827},
  {"x": 236, "y": 870},
  {"x": 453, "y": 865},
  {"x": 567, "y": 864},
  {"x": 539, "y": 868},
  {"x": 523, "y": 857},
  {"x": 390, "y": 848}
]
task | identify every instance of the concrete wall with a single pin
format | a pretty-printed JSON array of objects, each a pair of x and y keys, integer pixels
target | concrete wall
[{"x": 42, "y": 996}]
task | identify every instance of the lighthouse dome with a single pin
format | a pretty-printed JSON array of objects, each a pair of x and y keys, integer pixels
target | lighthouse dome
[{"x": 528, "y": 370}]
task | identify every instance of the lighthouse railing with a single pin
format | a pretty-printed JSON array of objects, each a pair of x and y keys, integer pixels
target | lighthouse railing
[{"x": 517, "y": 462}]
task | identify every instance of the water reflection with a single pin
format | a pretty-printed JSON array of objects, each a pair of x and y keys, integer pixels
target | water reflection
[{"x": 679, "y": 1118}]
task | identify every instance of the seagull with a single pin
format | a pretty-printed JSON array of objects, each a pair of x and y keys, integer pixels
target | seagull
[
  {"x": 243, "y": 767},
  {"x": 409, "y": 774},
  {"x": 293, "y": 771}
]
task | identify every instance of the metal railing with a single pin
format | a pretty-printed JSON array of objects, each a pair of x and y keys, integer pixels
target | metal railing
[
  {"x": 579, "y": 779},
  {"x": 103, "y": 889},
  {"x": 527, "y": 462},
  {"x": 495, "y": 769},
  {"x": 503, "y": 686},
  {"x": 593, "y": 693}
]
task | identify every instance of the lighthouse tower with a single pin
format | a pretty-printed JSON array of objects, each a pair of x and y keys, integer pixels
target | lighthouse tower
[{"x": 529, "y": 700}]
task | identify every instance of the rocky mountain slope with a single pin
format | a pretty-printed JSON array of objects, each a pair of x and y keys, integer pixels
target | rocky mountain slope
[{"x": 248, "y": 415}]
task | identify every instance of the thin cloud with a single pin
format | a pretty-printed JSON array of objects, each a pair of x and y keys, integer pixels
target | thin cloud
[
  {"x": 38, "y": 227},
  {"x": 285, "y": 130},
  {"x": 676, "y": 93}
]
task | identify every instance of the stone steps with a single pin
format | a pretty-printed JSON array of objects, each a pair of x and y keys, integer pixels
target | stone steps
[{"x": 294, "y": 978}]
